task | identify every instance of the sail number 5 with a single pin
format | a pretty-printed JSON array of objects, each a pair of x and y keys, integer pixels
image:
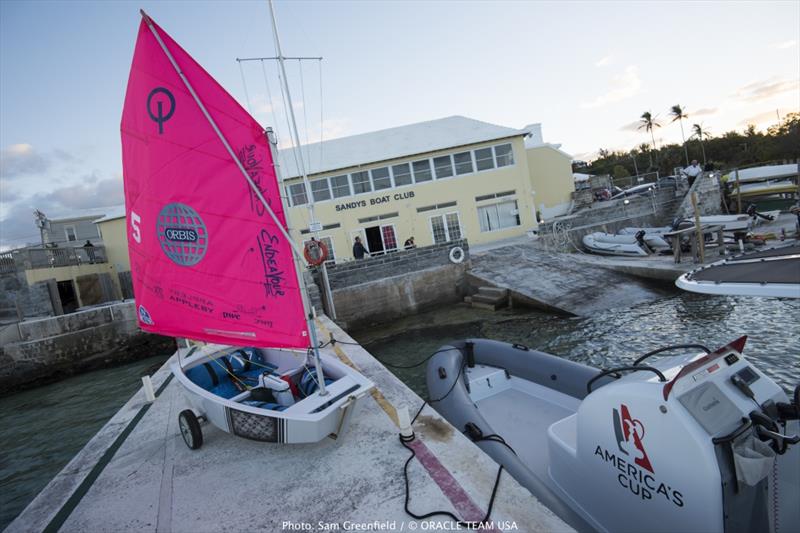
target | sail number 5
[{"x": 136, "y": 221}]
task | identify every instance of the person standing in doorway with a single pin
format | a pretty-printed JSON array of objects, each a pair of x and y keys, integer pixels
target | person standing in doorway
[
  {"x": 693, "y": 171},
  {"x": 358, "y": 249}
]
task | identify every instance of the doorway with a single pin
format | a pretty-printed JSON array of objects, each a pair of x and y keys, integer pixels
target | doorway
[
  {"x": 381, "y": 239},
  {"x": 67, "y": 295}
]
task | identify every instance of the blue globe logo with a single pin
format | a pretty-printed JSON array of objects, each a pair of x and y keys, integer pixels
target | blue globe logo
[{"x": 182, "y": 234}]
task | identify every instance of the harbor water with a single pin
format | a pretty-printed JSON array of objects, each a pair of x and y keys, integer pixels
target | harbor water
[
  {"x": 612, "y": 338},
  {"x": 42, "y": 429}
]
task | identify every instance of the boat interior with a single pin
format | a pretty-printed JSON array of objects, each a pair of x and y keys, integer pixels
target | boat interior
[
  {"x": 272, "y": 379},
  {"x": 522, "y": 411}
]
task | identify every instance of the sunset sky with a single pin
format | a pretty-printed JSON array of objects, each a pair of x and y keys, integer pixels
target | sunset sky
[{"x": 585, "y": 70}]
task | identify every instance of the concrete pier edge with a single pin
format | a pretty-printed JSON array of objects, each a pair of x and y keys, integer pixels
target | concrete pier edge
[{"x": 71, "y": 501}]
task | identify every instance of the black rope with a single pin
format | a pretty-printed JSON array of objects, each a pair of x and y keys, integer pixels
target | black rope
[
  {"x": 463, "y": 523},
  {"x": 332, "y": 342}
]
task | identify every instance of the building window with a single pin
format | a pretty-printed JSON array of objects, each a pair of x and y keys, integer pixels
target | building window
[
  {"x": 69, "y": 231},
  {"x": 297, "y": 193},
  {"x": 494, "y": 195},
  {"x": 443, "y": 166},
  {"x": 422, "y": 171},
  {"x": 340, "y": 186},
  {"x": 361, "y": 182},
  {"x": 498, "y": 216},
  {"x": 484, "y": 159},
  {"x": 381, "y": 179},
  {"x": 504, "y": 155},
  {"x": 445, "y": 228},
  {"x": 463, "y": 162},
  {"x": 328, "y": 242},
  {"x": 320, "y": 190},
  {"x": 436, "y": 206},
  {"x": 402, "y": 174}
]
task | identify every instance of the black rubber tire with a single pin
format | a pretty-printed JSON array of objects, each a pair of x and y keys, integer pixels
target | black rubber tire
[{"x": 190, "y": 429}]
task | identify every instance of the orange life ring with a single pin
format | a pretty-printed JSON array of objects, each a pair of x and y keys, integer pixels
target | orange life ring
[{"x": 321, "y": 254}]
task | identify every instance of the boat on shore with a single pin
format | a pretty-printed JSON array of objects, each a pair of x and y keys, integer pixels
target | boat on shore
[
  {"x": 699, "y": 440},
  {"x": 763, "y": 173},
  {"x": 623, "y": 245},
  {"x": 212, "y": 259}
]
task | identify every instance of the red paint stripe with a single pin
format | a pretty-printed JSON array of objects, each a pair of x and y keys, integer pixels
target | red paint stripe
[{"x": 451, "y": 488}]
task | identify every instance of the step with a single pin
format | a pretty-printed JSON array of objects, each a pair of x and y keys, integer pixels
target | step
[
  {"x": 479, "y": 305},
  {"x": 491, "y": 300},
  {"x": 493, "y": 292}
]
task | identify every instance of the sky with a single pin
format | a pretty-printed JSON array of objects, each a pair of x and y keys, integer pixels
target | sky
[{"x": 585, "y": 70}]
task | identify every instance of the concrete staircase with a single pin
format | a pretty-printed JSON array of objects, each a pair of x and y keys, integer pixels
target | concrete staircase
[{"x": 491, "y": 298}]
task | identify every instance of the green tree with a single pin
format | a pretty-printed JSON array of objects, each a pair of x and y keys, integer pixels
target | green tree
[
  {"x": 648, "y": 122},
  {"x": 620, "y": 172},
  {"x": 678, "y": 113}
]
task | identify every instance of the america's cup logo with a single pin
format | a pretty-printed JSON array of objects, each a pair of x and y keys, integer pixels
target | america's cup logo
[{"x": 630, "y": 432}]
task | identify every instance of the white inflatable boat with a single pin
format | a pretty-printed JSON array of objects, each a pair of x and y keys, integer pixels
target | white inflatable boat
[
  {"x": 607, "y": 244},
  {"x": 697, "y": 441}
]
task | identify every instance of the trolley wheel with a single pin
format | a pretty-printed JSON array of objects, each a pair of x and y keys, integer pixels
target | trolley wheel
[{"x": 190, "y": 429}]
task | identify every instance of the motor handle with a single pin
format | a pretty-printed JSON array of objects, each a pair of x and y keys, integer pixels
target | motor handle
[{"x": 779, "y": 440}]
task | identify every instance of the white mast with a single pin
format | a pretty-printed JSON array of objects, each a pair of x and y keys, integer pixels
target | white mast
[{"x": 301, "y": 281}]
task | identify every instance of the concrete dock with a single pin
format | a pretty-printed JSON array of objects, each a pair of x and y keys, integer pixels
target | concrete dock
[
  {"x": 136, "y": 474},
  {"x": 556, "y": 281}
]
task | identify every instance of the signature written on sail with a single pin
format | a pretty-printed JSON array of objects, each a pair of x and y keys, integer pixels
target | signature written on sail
[
  {"x": 253, "y": 164},
  {"x": 270, "y": 253}
]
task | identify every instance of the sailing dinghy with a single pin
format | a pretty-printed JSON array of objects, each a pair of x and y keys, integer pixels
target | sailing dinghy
[{"x": 212, "y": 260}]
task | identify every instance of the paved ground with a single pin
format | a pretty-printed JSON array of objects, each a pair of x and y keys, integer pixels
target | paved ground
[{"x": 154, "y": 483}]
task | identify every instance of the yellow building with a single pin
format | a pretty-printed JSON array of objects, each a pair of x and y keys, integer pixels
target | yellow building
[
  {"x": 113, "y": 230},
  {"x": 436, "y": 181}
]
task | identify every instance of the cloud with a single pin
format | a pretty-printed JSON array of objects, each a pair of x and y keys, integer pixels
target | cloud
[
  {"x": 94, "y": 192},
  {"x": 705, "y": 111},
  {"x": 21, "y": 160},
  {"x": 623, "y": 86},
  {"x": 761, "y": 90},
  {"x": 784, "y": 45},
  {"x": 633, "y": 126},
  {"x": 17, "y": 225},
  {"x": 604, "y": 61},
  {"x": 766, "y": 118}
]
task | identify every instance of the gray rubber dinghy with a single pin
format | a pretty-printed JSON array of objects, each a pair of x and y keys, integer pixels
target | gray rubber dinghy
[{"x": 698, "y": 440}]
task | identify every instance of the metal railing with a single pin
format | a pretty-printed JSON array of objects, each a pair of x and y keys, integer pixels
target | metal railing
[{"x": 34, "y": 258}]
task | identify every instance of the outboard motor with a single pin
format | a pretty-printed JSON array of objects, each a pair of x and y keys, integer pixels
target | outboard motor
[
  {"x": 689, "y": 443},
  {"x": 751, "y": 211}
]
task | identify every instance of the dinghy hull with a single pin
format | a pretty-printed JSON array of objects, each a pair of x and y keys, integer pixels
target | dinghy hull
[{"x": 309, "y": 419}]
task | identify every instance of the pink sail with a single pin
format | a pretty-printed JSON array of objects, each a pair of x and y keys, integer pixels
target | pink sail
[{"x": 207, "y": 260}]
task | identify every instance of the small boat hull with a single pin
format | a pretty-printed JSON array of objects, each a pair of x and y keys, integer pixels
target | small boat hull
[
  {"x": 606, "y": 244},
  {"x": 768, "y": 273},
  {"x": 310, "y": 419}
]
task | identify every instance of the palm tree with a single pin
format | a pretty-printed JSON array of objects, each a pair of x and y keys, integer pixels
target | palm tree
[
  {"x": 699, "y": 132},
  {"x": 648, "y": 122},
  {"x": 679, "y": 114}
]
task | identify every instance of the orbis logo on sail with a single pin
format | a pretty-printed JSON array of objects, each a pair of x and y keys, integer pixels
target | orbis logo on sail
[{"x": 182, "y": 234}]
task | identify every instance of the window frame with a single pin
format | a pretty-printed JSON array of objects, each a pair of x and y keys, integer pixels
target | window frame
[
  {"x": 327, "y": 188},
  {"x": 443, "y": 217},
  {"x": 368, "y": 181}
]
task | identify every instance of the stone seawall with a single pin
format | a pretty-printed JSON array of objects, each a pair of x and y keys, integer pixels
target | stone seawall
[
  {"x": 46, "y": 350},
  {"x": 380, "y": 289}
]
